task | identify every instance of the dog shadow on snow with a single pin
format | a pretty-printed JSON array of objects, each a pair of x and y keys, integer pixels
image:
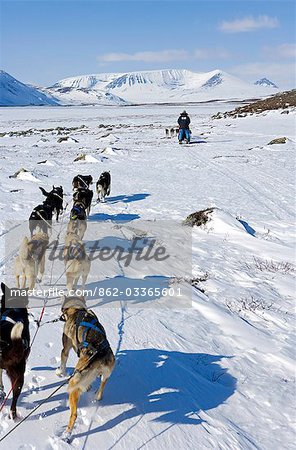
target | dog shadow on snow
[
  {"x": 120, "y": 217},
  {"x": 172, "y": 386},
  {"x": 127, "y": 198}
]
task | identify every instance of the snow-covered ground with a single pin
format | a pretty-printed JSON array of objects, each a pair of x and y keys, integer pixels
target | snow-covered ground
[{"x": 216, "y": 375}]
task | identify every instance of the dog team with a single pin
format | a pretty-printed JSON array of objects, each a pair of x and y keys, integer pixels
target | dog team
[{"x": 82, "y": 329}]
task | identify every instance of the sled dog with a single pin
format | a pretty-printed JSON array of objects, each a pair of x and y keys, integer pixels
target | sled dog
[
  {"x": 30, "y": 262},
  {"x": 103, "y": 186},
  {"x": 84, "y": 333},
  {"x": 14, "y": 344}
]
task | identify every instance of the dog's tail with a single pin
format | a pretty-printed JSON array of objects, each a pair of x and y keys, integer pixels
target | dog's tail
[
  {"x": 17, "y": 331},
  {"x": 44, "y": 191}
]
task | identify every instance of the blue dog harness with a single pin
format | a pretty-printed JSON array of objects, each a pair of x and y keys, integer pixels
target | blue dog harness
[
  {"x": 8, "y": 319},
  {"x": 77, "y": 212},
  {"x": 91, "y": 324},
  {"x": 5, "y": 316}
]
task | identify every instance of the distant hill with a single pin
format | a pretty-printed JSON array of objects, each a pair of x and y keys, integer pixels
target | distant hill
[
  {"x": 282, "y": 100},
  {"x": 15, "y": 93}
]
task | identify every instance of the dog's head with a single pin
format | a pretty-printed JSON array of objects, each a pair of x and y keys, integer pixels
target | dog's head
[
  {"x": 37, "y": 245},
  {"x": 54, "y": 197},
  {"x": 71, "y": 303},
  {"x": 105, "y": 175},
  {"x": 82, "y": 181},
  {"x": 13, "y": 298}
]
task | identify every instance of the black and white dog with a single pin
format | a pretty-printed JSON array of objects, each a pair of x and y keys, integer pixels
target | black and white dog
[
  {"x": 14, "y": 343},
  {"x": 82, "y": 181},
  {"x": 41, "y": 216},
  {"x": 40, "y": 219},
  {"x": 103, "y": 186},
  {"x": 54, "y": 198}
]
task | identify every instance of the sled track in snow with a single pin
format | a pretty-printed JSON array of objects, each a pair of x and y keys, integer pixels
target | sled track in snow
[{"x": 273, "y": 208}]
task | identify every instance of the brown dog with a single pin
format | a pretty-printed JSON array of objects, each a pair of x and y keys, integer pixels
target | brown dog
[{"x": 84, "y": 333}]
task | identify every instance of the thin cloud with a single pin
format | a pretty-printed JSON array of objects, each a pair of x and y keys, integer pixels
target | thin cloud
[
  {"x": 210, "y": 53},
  {"x": 163, "y": 56},
  {"x": 249, "y": 24},
  {"x": 147, "y": 57},
  {"x": 281, "y": 51}
]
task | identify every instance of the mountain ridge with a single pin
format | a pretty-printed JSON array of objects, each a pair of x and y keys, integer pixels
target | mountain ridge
[
  {"x": 167, "y": 85},
  {"x": 140, "y": 87}
]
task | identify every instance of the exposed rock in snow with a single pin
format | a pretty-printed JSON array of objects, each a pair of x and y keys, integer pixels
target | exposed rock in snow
[
  {"x": 86, "y": 158},
  {"x": 199, "y": 218},
  {"x": 24, "y": 174},
  {"x": 66, "y": 139},
  {"x": 46, "y": 162},
  {"x": 216, "y": 220},
  {"x": 110, "y": 150},
  {"x": 110, "y": 138},
  {"x": 280, "y": 140}
]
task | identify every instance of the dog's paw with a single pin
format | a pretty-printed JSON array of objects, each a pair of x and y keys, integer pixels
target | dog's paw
[
  {"x": 13, "y": 415},
  {"x": 2, "y": 395},
  {"x": 60, "y": 373},
  {"x": 99, "y": 396},
  {"x": 66, "y": 436}
]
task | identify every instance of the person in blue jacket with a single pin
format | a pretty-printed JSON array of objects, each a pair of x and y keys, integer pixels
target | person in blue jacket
[{"x": 184, "y": 132}]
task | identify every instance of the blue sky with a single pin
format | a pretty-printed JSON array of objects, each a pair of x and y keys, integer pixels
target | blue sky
[{"x": 43, "y": 41}]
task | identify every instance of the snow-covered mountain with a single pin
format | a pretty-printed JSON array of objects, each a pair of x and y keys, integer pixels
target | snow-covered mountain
[
  {"x": 156, "y": 86},
  {"x": 164, "y": 86},
  {"x": 15, "y": 93},
  {"x": 84, "y": 96},
  {"x": 265, "y": 82}
]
